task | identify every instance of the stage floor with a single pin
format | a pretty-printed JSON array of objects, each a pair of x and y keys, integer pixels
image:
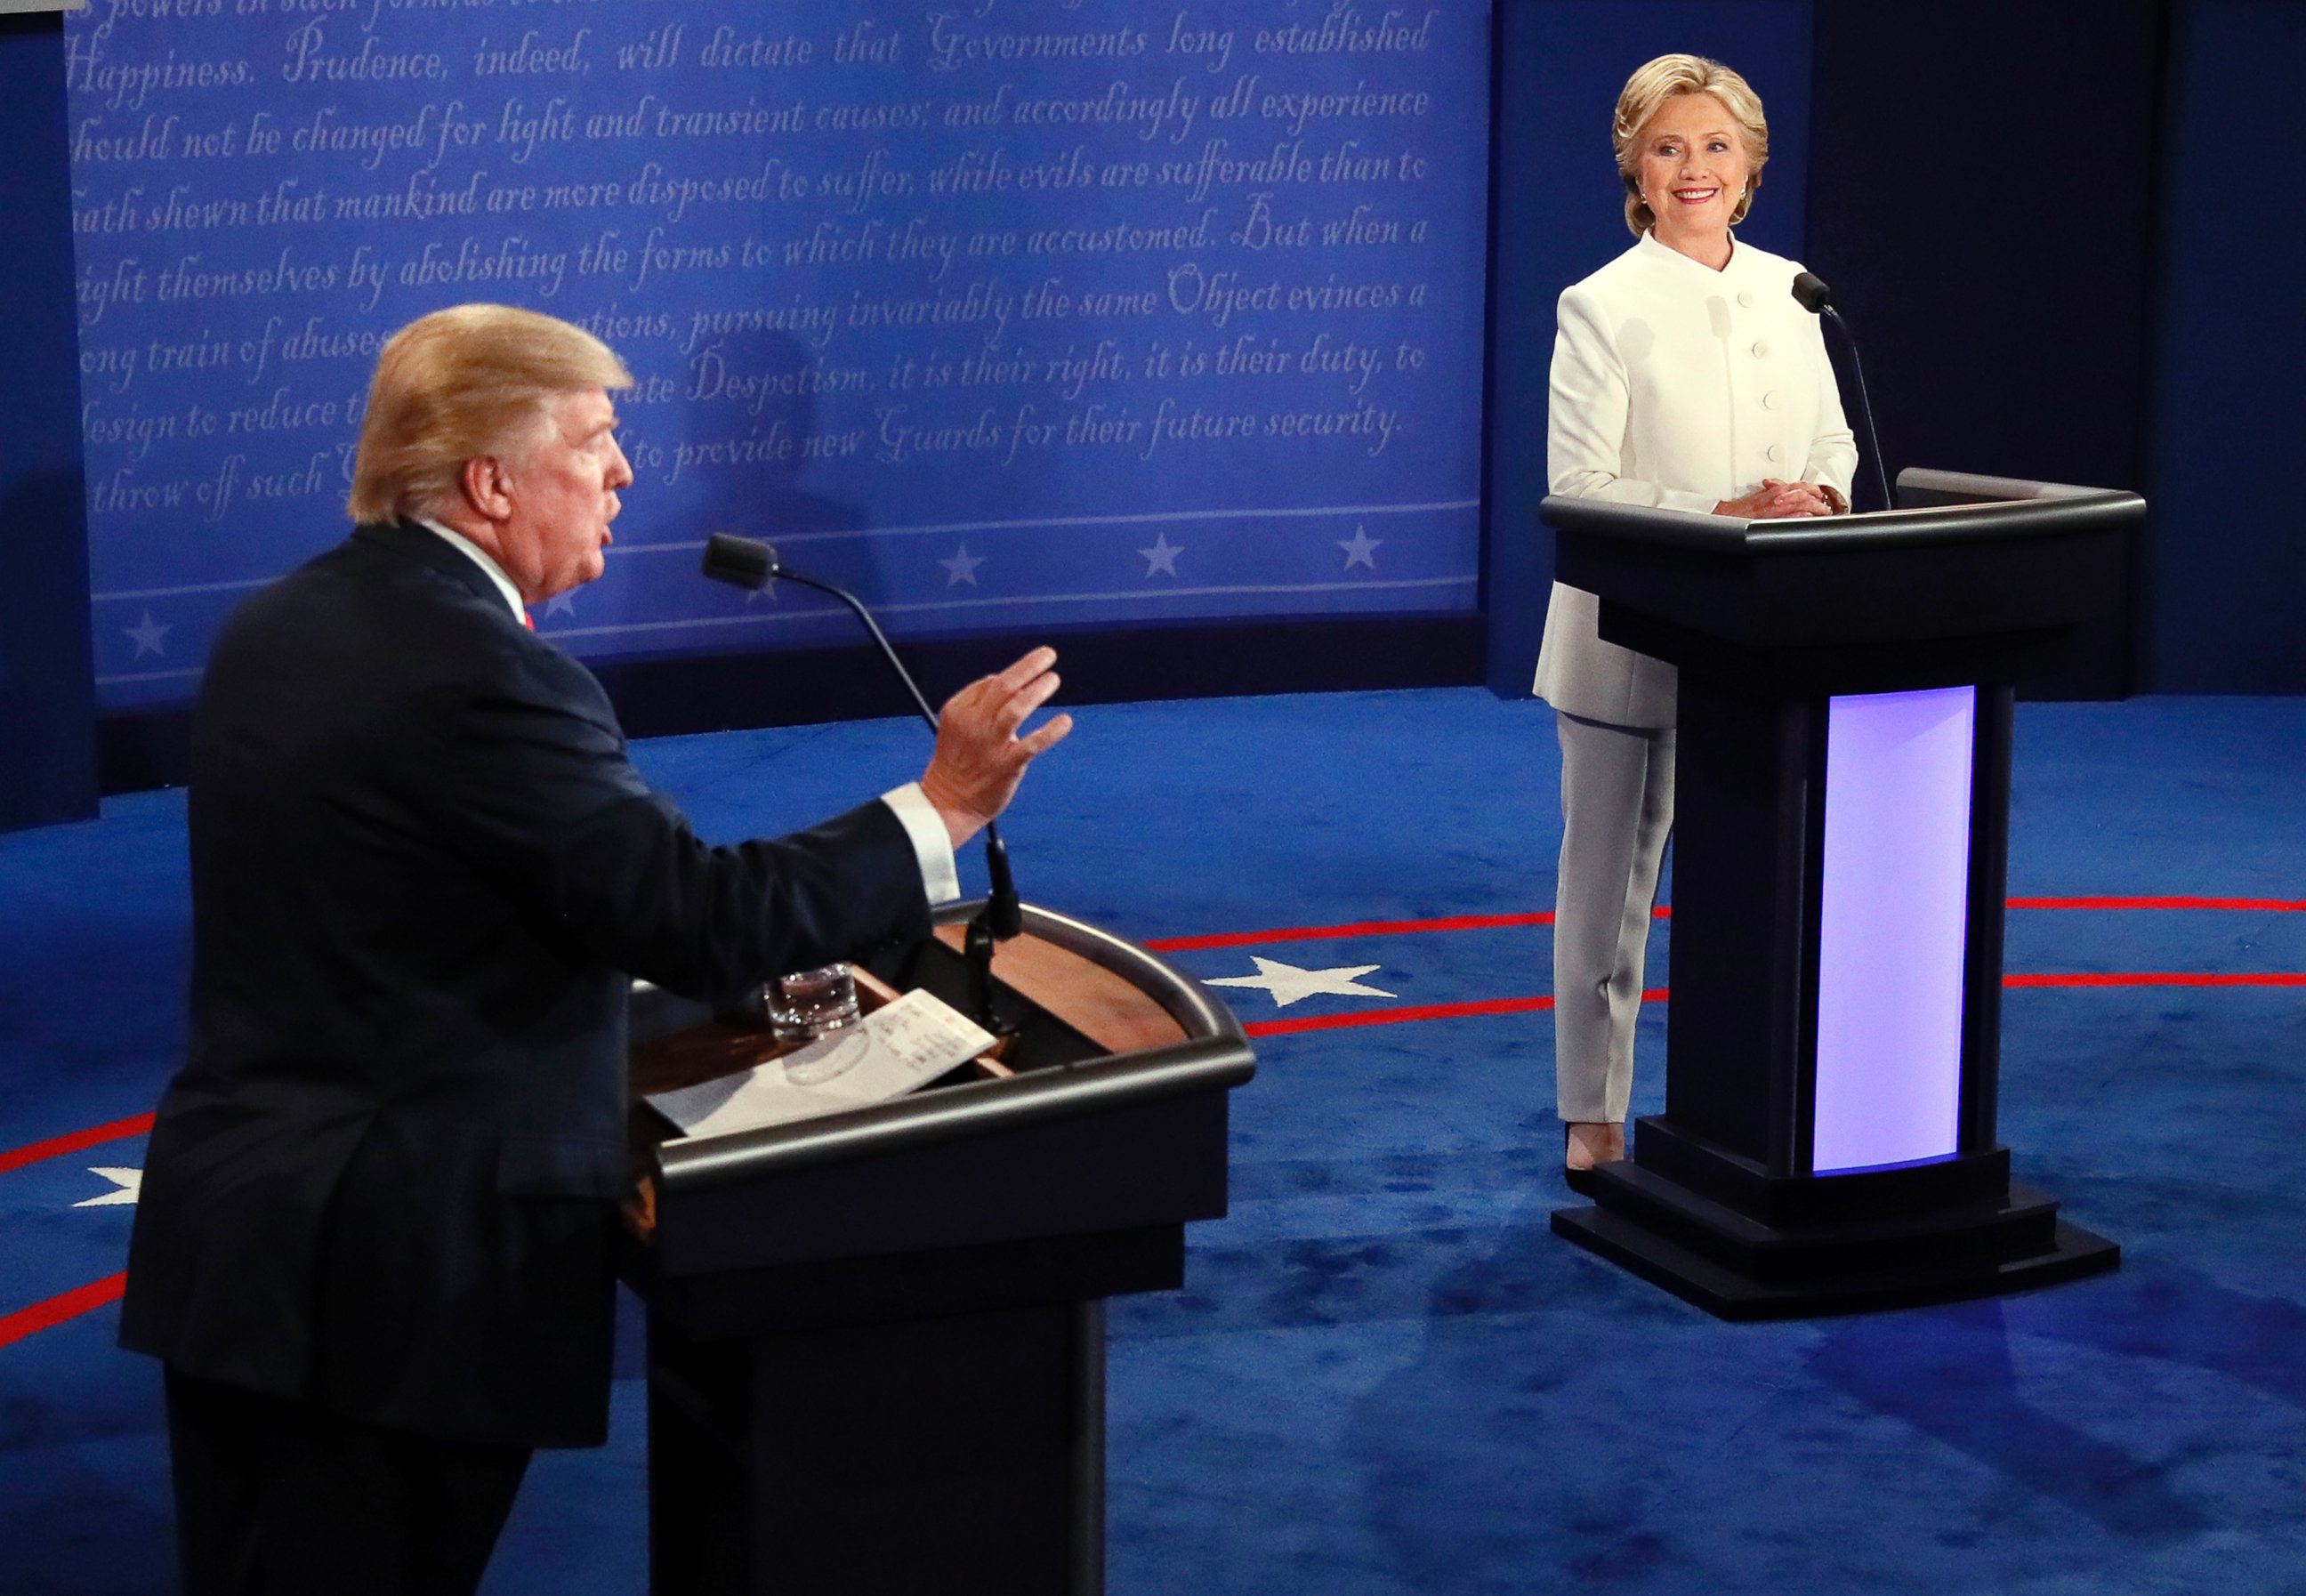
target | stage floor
[{"x": 1384, "y": 1378}]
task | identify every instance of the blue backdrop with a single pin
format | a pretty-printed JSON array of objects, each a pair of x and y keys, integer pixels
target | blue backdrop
[
  {"x": 261, "y": 192},
  {"x": 48, "y": 741},
  {"x": 2225, "y": 570},
  {"x": 1011, "y": 314}
]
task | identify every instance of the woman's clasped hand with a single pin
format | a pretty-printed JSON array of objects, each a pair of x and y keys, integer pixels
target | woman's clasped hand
[{"x": 1774, "y": 500}]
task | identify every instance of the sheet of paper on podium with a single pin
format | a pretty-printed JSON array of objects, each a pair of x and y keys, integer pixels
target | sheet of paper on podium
[{"x": 889, "y": 1053}]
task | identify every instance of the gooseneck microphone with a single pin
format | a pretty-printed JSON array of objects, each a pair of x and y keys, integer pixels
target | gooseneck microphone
[
  {"x": 751, "y": 564},
  {"x": 1812, "y": 296}
]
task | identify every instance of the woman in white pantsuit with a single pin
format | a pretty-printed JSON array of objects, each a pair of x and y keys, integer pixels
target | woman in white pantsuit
[{"x": 1685, "y": 377}]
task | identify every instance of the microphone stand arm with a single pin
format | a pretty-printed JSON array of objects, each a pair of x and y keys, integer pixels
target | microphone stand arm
[
  {"x": 1003, "y": 915},
  {"x": 1864, "y": 406}
]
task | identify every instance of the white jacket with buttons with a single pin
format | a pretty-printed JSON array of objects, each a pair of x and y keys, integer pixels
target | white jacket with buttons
[{"x": 1677, "y": 386}]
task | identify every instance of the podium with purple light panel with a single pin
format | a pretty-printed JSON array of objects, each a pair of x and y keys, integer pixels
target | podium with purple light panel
[{"x": 1843, "y": 778}]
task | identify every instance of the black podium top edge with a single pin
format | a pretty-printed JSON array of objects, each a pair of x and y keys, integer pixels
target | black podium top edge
[{"x": 1937, "y": 509}]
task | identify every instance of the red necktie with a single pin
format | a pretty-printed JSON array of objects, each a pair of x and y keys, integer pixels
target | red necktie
[{"x": 528, "y": 620}]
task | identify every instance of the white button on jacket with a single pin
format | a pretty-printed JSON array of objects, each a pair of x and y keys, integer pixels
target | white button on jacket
[{"x": 1657, "y": 398}]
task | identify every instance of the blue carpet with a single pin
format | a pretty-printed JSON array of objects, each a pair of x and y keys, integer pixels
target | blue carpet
[{"x": 1384, "y": 1376}]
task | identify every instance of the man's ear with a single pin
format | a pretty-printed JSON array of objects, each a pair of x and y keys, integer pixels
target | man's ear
[{"x": 484, "y": 486}]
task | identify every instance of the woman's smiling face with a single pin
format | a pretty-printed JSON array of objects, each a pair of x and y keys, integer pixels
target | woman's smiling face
[{"x": 1693, "y": 168}]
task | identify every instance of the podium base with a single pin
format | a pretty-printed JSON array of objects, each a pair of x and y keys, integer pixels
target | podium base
[{"x": 1736, "y": 1293}]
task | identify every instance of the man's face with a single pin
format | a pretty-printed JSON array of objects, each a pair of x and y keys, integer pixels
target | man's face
[{"x": 563, "y": 491}]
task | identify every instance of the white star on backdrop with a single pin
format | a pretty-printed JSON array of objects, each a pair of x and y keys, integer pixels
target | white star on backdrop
[
  {"x": 962, "y": 568},
  {"x": 766, "y": 590},
  {"x": 1287, "y": 983},
  {"x": 130, "y": 1182},
  {"x": 1357, "y": 551},
  {"x": 149, "y": 638},
  {"x": 559, "y": 603},
  {"x": 1161, "y": 558}
]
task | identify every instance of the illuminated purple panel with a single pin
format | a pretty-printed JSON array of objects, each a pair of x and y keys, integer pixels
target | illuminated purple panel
[{"x": 1895, "y": 888}]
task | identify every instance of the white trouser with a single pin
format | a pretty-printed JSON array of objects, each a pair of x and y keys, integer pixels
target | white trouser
[{"x": 1616, "y": 812}]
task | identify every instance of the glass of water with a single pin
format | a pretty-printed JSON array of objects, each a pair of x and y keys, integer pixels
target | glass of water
[{"x": 809, "y": 1004}]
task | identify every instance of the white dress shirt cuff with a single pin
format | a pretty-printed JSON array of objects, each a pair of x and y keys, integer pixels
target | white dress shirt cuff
[{"x": 932, "y": 843}]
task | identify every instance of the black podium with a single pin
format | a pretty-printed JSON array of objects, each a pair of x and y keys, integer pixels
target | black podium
[
  {"x": 1840, "y": 842},
  {"x": 876, "y": 1345}
]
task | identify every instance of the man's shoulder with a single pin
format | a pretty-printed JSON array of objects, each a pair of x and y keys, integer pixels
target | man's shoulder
[
  {"x": 352, "y": 569},
  {"x": 388, "y": 615},
  {"x": 377, "y": 578}
]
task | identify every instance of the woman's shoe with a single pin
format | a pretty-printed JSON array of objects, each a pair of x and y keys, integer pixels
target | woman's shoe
[{"x": 1580, "y": 1178}]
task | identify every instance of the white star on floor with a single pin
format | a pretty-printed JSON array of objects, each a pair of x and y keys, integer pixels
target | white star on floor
[
  {"x": 149, "y": 638},
  {"x": 560, "y": 603},
  {"x": 962, "y": 568},
  {"x": 1287, "y": 983},
  {"x": 130, "y": 1182},
  {"x": 1357, "y": 551},
  {"x": 1161, "y": 558}
]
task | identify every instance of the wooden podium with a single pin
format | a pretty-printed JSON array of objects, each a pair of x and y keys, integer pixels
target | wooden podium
[
  {"x": 876, "y": 1344},
  {"x": 1841, "y": 836}
]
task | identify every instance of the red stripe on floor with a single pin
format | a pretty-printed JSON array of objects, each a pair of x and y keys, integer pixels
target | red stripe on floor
[
  {"x": 2163, "y": 978},
  {"x": 55, "y": 1310},
  {"x": 2263, "y": 905},
  {"x": 57, "y": 1147},
  {"x": 1333, "y": 1022},
  {"x": 1244, "y": 939},
  {"x": 1529, "y": 1005},
  {"x": 1664, "y": 911},
  {"x": 1336, "y": 1022},
  {"x": 86, "y": 1298}
]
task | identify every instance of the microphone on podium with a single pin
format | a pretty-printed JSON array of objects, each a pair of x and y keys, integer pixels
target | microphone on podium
[
  {"x": 1810, "y": 290},
  {"x": 740, "y": 563},
  {"x": 1812, "y": 296},
  {"x": 751, "y": 564}
]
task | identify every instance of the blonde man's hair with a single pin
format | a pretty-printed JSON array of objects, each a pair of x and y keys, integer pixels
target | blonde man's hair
[
  {"x": 461, "y": 383},
  {"x": 1652, "y": 84}
]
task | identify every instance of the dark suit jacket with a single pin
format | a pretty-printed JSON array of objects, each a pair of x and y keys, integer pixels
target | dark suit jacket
[{"x": 423, "y": 869}]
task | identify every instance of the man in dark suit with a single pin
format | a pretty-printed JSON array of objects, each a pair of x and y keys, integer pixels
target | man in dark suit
[{"x": 373, "y": 1246}]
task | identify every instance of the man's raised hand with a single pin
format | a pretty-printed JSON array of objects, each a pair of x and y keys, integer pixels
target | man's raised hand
[{"x": 979, "y": 757}]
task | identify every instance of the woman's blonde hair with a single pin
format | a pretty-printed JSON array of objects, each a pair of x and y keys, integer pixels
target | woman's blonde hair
[
  {"x": 1652, "y": 84},
  {"x": 461, "y": 383}
]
